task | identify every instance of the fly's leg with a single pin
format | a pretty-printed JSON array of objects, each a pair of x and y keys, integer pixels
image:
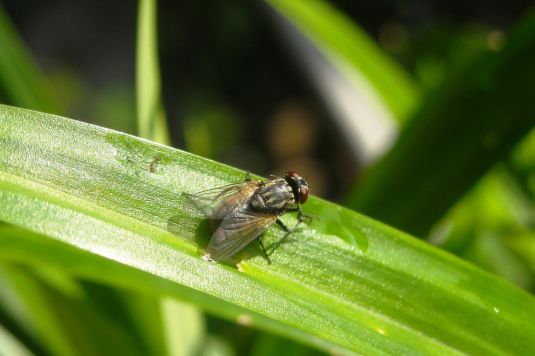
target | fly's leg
[
  {"x": 259, "y": 239},
  {"x": 289, "y": 230},
  {"x": 301, "y": 217},
  {"x": 284, "y": 226},
  {"x": 286, "y": 229}
]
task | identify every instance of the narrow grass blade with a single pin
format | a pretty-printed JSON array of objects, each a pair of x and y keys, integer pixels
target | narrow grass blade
[{"x": 150, "y": 114}]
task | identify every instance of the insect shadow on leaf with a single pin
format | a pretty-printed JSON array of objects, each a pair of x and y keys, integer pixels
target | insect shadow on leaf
[
  {"x": 188, "y": 222},
  {"x": 240, "y": 213}
]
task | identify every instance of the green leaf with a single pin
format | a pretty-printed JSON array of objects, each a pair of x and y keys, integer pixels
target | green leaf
[
  {"x": 24, "y": 247},
  {"x": 481, "y": 226},
  {"x": 267, "y": 344},
  {"x": 20, "y": 78},
  {"x": 26, "y": 301},
  {"x": 53, "y": 318},
  {"x": 150, "y": 113},
  {"x": 524, "y": 246},
  {"x": 464, "y": 128},
  {"x": 46, "y": 305},
  {"x": 345, "y": 43},
  {"x": 113, "y": 209},
  {"x": 138, "y": 314}
]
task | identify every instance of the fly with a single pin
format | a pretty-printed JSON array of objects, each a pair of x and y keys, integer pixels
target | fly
[{"x": 245, "y": 210}]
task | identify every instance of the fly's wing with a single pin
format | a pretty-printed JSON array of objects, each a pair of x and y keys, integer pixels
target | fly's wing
[
  {"x": 236, "y": 231},
  {"x": 218, "y": 202}
]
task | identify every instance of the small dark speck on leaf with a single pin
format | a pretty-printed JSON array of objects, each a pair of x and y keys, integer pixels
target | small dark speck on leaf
[{"x": 154, "y": 163}]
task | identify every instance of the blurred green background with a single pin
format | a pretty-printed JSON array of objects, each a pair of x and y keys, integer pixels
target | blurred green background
[{"x": 418, "y": 114}]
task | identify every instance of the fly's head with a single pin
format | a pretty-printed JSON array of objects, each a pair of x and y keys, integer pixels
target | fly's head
[{"x": 299, "y": 186}]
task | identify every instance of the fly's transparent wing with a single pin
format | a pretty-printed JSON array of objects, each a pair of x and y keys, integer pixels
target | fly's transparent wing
[
  {"x": 237, "y": 230},
  {"x": 218, "y": 202}
]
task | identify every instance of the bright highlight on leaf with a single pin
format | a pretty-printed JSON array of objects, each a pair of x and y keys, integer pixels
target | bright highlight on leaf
[{"x": 341, "y": 39}]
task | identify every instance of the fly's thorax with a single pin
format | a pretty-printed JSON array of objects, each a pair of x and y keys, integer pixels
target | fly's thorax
[{"x": 274, "y": 195}]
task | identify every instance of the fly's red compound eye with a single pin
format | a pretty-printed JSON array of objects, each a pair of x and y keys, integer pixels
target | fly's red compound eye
[
  {"x": 303, "y": 194},
  {"x": 293, "y": 175},
  {"x": 299, "y": 186}
]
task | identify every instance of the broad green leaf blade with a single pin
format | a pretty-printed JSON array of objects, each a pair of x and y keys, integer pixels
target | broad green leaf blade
[
  {"x": 150, "y": 113},
  {"x": 461, "y": 131},
  {"x": 345, "y": 283},
  {"x": 20, "y": 78},
  {"x": 341, "y": 39}
]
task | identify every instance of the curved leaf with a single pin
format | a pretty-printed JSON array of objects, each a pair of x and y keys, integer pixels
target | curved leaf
[
  {"x": 340, "y": 38},
  {"x": 464, "y": 128},
  {"x": 113, "y": 205}
]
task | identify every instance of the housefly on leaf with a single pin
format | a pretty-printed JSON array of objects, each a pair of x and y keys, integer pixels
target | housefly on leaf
[{"x": 245, "y": 210}]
